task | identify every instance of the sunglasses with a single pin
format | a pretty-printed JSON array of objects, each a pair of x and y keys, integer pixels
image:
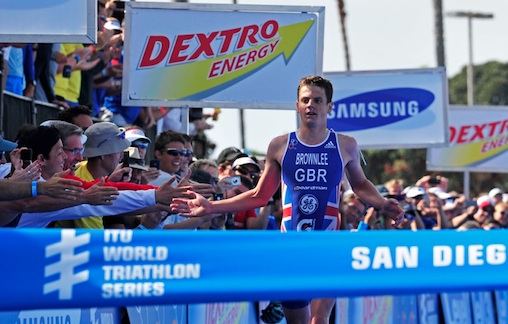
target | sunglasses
[
  {"x": 75, "y": 151},
  {"x": 120, "y": 135},
  {"x": 397, "y": 197},
  {"x": 142, "y": 145},
  {"x": 245, "y": 172},
  {"x": 176, "y": 152}
]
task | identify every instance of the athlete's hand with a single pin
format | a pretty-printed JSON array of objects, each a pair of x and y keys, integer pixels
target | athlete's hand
[
  {"x": 392, "y": 210},
  {"x": 196, "y": 206}
]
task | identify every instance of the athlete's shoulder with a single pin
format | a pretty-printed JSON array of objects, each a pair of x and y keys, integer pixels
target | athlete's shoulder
[
  {"x": 280, "y": 140},
  {"x": 346, "y": 141}
]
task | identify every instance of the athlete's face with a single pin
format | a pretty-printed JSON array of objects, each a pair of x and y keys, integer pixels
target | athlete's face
[{"x": 312, "y": 106}]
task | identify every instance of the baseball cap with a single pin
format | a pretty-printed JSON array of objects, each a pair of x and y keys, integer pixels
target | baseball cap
[
  {"x": 135, "y": 134},
  {"x": 484, "y": 201},
  {"x": 105, "y": 138},
  {"x": 495, "y": 191},
  {"x": 135, "y": 160},
  {"x": 245, "y": 161},
  {"x": 6, "y": 145},
  {"x": 415, "y": 192},
  {"x": 230, "y": 154},
  {"x": 440, "y": 193},
  {"x": 112, "y": 24}
]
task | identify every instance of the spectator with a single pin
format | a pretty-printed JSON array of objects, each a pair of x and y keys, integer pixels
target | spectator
[
  {"x": 5, "y": 147},
  {"x": 208, "y": 166},
  {"x": 248, "y": 167},
  {"x": 497, "y": 195},
  {"x": 104, "y": 151},
  {"x": 21, "y": 72},
  {"x": 352, "y": 210},
  {"x": 46, "y": 64},
  {"x": 501, "y": 214},
  {"x": 139, "y": 140},
  {"x": 77, "y": 115},
  {"x": 225, "y": 160},
  {"x": 68, "y": 77},
  {"x": 170, "y": 151},
  {"x": 128, "y": 200}
]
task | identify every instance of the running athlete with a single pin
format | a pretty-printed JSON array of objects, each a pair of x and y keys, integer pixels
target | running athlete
[{"x": 310, "y": 163}]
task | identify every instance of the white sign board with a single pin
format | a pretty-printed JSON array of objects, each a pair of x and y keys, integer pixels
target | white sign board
[
  {"x": 391, "y": 109},
  {"x": 48, "y": 21},
  {"x": 229, "y": 56},
  {"x": 478, "y": 141}
]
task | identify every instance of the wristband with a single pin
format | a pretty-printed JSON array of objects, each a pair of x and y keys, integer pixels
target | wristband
[
  {"x": 34, "y": 188},
  {"x": 141, "y": 227}
]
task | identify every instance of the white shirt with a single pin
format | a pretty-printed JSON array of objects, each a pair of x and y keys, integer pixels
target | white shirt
[{"x": 127, "y": 201}]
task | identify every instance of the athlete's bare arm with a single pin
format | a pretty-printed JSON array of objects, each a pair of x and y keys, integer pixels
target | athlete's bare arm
[{"x": 257, "y": 197}]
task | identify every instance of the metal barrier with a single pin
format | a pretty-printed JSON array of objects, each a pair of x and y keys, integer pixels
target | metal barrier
[{"x": 19, "y": 110}]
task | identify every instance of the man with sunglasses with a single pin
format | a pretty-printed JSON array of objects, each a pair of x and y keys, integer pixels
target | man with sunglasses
[
  {"x": 248, "y": 167},
  {"x": 171, "y": 152}
]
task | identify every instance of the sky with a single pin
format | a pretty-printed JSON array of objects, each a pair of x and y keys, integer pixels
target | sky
[{"x": 382, "y": 35}]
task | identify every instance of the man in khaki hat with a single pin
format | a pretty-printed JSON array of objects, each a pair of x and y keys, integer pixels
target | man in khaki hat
[{"x": 104, "y": 150}]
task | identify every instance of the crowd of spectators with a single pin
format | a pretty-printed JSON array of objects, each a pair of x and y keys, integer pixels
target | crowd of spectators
[
  {"x": 91, "y": 76},
  {"x": 89, "y": 168}
]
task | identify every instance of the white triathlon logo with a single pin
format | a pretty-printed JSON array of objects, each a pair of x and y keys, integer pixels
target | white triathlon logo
[
  {"x": 68, "y": 261},
  {"x": 308, "y": 204}
]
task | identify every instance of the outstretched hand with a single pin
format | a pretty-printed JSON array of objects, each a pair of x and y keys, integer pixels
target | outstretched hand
[
  {"x": 204, "y": 189},
  {"x": 195, "y": 206},
  {"x": 100, "y": 195},
  {"x": 59, "y": 187},
  {"x": 167, "y": 192}
]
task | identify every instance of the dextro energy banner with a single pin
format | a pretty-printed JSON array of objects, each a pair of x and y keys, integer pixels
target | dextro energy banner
[
  {"x": 391, "y": 109},
  {"x": 51, "y": 268},
  {"x": 478, "y": 141},
  {"x": 219, "y": 55}
]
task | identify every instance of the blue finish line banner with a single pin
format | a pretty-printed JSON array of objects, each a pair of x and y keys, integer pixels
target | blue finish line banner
[{"x": 50, "y": 268}]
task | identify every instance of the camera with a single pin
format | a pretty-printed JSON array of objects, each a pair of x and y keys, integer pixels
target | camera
[
  {"x": 66, "y": 73},
  {"x": 218, "y": 196},
  {"x": 434, "y": 181},
  {"x": 155, "y": 164},
  {"x": 26, "y": 157},
  {"x": 229, "y": 182}
]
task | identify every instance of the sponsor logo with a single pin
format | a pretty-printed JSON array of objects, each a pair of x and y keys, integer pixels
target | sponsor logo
[
  {"x": 308, "y": 204},
  {"x": 305, "y": 225},
  {"x": 379, "y": 108},
  {"x": 292, "y": 144},
  {"x": 329, "y": 145},
  {"x": 68, "y": 261}
]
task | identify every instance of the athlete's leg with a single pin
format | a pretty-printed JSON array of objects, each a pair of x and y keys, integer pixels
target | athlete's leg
[
  {"x": 321, "y": 310},
  {"x": 297, "y": 312}
]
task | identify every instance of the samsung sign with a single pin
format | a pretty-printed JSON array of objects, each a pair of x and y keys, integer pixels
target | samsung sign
[{"x": 391, "y": 109}]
